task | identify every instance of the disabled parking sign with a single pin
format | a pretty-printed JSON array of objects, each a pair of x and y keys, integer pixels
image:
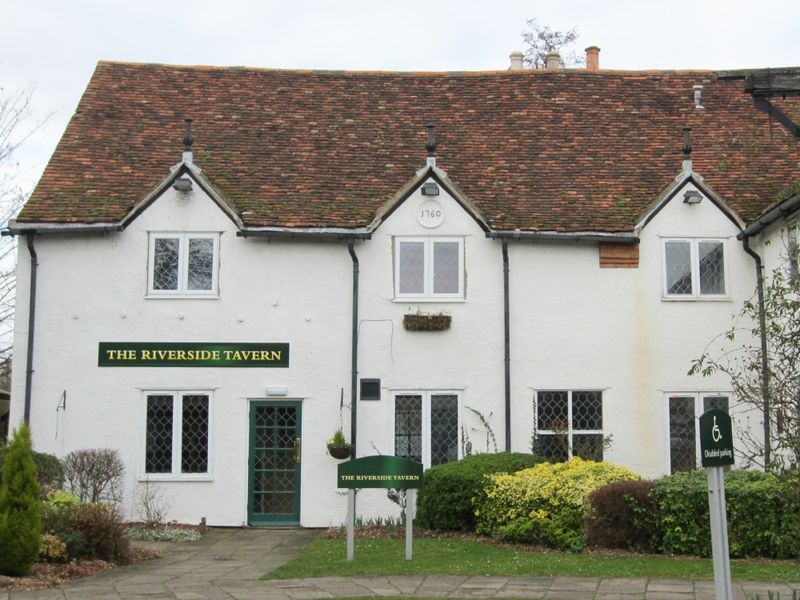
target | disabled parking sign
[{"x": 716, "y": 439}]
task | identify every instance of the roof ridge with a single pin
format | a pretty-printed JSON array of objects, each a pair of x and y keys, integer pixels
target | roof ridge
[{"x": 379, "y": 72}]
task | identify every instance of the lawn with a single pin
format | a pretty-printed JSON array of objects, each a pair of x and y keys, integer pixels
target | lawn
[{"x": 327, "y": 557}]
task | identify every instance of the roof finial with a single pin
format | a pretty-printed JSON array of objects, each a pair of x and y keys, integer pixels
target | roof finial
[
  {"x": 430, "y": 145},
  {"x": 188, "y": 140},
  {"x": 687, "y": 149}
]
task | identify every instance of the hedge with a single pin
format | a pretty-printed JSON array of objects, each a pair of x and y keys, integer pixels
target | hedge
[
  {"x": 763, "y": 514},
  {"x": 445, "y": 502},
  {"x": 622, "y": 515},
  {"x": 545, "y": 504}
]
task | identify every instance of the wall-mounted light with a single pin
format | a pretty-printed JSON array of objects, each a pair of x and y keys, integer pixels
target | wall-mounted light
[
  {"x": 692, "y": 197},
  {"x": 182, "y": 184},
  {"x": 277, "y": 391},
  {"x": 430, "y": 189}
]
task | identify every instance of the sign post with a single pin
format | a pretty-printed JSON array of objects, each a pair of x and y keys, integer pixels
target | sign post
[
  {"x": 379, "y": 472},
  {"x": 716, "y": 451}
]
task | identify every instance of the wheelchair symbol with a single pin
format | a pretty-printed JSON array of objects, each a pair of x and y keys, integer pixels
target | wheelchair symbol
[{"x": 716, "y": 434}]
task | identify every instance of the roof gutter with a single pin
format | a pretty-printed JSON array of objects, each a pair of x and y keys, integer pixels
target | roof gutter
[
  {"x": 309, "y": 234},
  {"x": 618, "y": 238},
  {"x": 786, "y": 207},
  {"x": 15, "y": 228}
]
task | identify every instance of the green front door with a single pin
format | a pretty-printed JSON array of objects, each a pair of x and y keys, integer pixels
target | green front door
[{"x": 274, "y": 465}]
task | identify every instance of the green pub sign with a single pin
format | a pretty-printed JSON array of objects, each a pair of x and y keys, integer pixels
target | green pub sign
[
  {"x": 716, "y": 439},
  {"x": 192, "y": 354},
  {"x": 380, "y": 471}
]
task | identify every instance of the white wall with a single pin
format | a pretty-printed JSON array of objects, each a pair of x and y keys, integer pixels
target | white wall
[{"x": 573, "y": 326}]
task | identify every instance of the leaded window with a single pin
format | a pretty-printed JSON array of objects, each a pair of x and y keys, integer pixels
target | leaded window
[
  {"x": 568, "y": 424},
  {"x": 694, "y": 268},
  {"x": 177, "y": 428},
  {"x": 429, "y": 268},
  {"x": 183, "y": 264},
  {"x": 426, "y": 427},
  {"x": 684, "y": 412}
]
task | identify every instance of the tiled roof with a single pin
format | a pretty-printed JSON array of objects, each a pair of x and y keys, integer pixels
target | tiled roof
[{"x": 567, "y": 150}]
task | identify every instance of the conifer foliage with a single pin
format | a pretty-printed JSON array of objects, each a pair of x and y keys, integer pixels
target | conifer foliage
[{"x": 20, "y": 510}]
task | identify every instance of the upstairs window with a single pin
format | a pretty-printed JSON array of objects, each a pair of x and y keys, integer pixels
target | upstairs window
[
  {"x": 429, "y": 268},
  {"x": 694, "y": 269},
  {"x": 183, "y": 264}
]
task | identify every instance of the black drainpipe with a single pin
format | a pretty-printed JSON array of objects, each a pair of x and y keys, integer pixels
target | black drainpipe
[
  {"x": 31, "y": 323},
  {"x": 762, "y": 323},
  {"x": 507, "y": 355},
  {"x": 354, "y": 352}
]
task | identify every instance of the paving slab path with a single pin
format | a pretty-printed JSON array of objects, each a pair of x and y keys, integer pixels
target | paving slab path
[{"x": 227, "y": 563}]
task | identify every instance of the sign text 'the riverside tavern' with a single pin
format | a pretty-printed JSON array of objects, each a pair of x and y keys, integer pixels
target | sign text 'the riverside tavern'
[{"x": 190, "y": 354}]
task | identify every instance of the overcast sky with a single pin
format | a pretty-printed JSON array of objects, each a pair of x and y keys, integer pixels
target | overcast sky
[{"x": 55, "y": 44}]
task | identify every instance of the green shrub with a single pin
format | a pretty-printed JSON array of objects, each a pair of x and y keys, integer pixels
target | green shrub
[
  {"x": 763, "y": 514},
  {"x": 545, "y": 504},
  {"x": 19, "y": 507},
  {"x": 49, "y": 469},
  {"x": 52, "y": 549},
  {"x": 445, "y": 502},
  {"x": 88, "y": 530},
  {"x": 621, "y": 515}
]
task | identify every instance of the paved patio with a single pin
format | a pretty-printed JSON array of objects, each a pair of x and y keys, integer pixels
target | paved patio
[{"x": 227, "y": 563}]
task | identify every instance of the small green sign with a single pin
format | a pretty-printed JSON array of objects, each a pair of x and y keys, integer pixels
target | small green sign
[
  {"x": 191, "y": 354},
  {"x": 380, "y": 471},
  {"x": 716, "y": 438}
]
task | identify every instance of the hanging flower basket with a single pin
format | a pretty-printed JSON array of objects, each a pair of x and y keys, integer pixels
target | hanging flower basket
[
  {"x": 338, "y": 446},
  {"x": 427, "y": 322},
  {"x": 339, "y": 452}
]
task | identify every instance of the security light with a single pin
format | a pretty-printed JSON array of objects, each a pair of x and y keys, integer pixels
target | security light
[
  {"x": 277, "y": 391},
  {"x": 430, "y": 189},
  {"x": 182, "y": 184},
  {"x": 692, "y": 197}
]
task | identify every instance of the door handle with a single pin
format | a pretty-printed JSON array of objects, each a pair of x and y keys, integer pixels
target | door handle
[{"x": 298, "y": 450}]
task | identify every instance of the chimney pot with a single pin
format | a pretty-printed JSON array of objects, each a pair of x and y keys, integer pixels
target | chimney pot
[
  {"x": 553, "y": 60},
  {"x": 516, "y": 61},
  {"x": 592, "y": 58}
]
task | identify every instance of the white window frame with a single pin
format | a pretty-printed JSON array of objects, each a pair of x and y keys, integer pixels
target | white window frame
[
  {"x": 570, "y": 429},
  {"x": 694, "y": 257},
  {"x": 426, "y": 419},
  {"x": 183, "y": 265},
  {"x": 699, "y": 398},
  {"x": 428, "y": 295},
  {"x": 177, "y": 441}
]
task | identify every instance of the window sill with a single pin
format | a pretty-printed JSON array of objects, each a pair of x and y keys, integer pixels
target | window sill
[
  {"x": 164, "y": 477},
  {"x": 181, "y": 296},
  {"x": 429, "y": 300},
  {"x": 696, "y": 299}
]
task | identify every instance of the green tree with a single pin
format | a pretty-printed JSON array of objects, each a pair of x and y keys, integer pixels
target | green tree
[{"x": 20, "y": 508}]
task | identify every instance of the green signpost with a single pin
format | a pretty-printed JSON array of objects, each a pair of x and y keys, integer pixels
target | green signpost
[
  {"x": 379, "y": 471},
  {"x": 716, "y": 452}
]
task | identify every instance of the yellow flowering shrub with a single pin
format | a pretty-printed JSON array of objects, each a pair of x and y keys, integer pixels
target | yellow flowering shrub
[{"x": 544, "y": 504}]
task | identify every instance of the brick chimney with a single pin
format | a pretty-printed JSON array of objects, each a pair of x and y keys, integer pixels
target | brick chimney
[
  {"x": 553, "y": 60},
  {"x": 516, "y": 61},
  {"x": 592, "y": 58}
]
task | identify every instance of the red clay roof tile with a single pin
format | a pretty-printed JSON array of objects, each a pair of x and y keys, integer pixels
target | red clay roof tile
[{"x": 565, "y": 150}]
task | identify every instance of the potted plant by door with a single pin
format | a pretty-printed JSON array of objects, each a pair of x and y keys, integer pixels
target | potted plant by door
[{"x": 338, "y": 446}]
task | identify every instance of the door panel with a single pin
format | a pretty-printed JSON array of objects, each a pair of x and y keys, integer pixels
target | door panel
[{"x": 274, "y": 465}]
